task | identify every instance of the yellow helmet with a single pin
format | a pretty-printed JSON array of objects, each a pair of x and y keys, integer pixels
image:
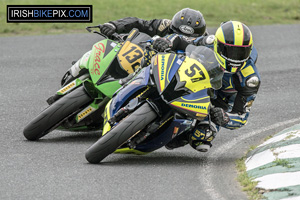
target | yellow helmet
[{"x": 233, "y": 45}]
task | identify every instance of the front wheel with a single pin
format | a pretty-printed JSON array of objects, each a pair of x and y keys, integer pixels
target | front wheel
[
  {"x": 56, "y": 113},
  {"x": 119, "y": 134}
]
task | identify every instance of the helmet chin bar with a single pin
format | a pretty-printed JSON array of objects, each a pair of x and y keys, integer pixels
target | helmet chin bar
[{"x": 234, "y": 67}]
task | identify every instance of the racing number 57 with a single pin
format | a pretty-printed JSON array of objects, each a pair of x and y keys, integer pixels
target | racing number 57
[{"x": 192, "y": 72}]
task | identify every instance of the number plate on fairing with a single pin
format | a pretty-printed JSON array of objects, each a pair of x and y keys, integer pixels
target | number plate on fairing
[
  {"x": 130, "y": 56},
  {"x": 194, "y": 75}
]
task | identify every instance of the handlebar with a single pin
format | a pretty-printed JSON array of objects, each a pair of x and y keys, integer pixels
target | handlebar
[
  {"x": 150, "y": 47},
  {"x": 115, "y": 35}
]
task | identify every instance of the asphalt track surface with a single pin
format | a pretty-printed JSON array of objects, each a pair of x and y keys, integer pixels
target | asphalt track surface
[{"x": 55, "y": 167}]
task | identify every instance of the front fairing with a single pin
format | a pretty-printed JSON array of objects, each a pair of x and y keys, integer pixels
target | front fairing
[
  {"x": 110, "y": 61},
  {"x": 140, "y": 81},
  {"x": 119, "y": 100},
  {"x": 183, "y": 83},
  {"x": 102, "y": 55}
]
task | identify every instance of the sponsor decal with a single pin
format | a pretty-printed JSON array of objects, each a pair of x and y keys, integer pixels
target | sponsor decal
[
  {"x": 199, "y": 135},
  {"x": 113, "y": 44},
  {"x": 186, "y": 29},
  {"x": 67, "y": 88},
  {"x": 179, "y": 62},
  {"x": 99, "y": 49},
  {"x": 84, "y": 113},
  {"x": 193, "y": 106},
  {"x": 162, "y": 72}
]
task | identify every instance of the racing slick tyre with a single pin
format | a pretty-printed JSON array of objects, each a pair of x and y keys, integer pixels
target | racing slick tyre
[
  {"x": 121, "y": 133},
  {"x": 56, "y": 113}
]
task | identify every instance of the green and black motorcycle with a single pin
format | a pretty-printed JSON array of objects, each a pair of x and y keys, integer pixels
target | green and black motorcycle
[{"x": 89, "y": 84}]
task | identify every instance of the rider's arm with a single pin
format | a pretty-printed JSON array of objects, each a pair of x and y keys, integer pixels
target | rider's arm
[
  {"x": 247, "y": 85},
  {"x": 151, "y": 27},
  {"x": 178, "y": 42}
]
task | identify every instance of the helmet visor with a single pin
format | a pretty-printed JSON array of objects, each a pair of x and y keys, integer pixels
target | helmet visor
[{"x": 234, "y": 53}]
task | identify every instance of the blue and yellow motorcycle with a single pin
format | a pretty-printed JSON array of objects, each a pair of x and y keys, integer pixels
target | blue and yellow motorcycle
[{"x": 163, "y": 100}]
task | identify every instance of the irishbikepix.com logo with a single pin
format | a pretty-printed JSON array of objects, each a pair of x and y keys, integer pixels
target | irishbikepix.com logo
[{"x": 49, "y": 13}]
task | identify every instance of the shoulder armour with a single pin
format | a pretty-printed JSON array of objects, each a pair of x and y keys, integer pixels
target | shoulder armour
[
  {"x": 164, "y": 24},
  {"x": 249, "y": 75}
]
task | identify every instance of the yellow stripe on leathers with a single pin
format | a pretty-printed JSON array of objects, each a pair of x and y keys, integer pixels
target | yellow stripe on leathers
[{"x": 247, "y": 71}]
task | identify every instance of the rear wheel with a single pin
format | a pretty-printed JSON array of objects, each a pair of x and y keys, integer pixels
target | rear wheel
[
  {"x": 126, "y": 129},
  {"x": 56, "y": 113}
]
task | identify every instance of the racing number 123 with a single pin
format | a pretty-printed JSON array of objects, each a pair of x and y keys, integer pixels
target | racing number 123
[{"x": 132, "y": 58}]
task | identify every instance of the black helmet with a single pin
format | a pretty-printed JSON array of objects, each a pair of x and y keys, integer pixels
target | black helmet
[{"x": 188, "y": 22}]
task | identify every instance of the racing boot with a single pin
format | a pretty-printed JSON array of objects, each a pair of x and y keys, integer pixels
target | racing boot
[{"x": 200, "y": 139}]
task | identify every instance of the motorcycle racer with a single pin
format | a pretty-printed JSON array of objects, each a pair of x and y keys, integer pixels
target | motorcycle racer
[
  {"x": 187, "y": 23},
  {"x": 233, "y": 47}
]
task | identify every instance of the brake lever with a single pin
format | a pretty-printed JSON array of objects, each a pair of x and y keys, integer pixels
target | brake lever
[
  {"x": 88, "y": 28},
  {"x": 117, "y": 36}
]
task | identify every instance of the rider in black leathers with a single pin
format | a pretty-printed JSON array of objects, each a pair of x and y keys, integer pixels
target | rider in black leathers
[{"x": 189, "y": 25}]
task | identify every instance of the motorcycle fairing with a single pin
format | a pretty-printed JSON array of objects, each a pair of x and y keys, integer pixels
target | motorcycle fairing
[
  {"x": 131, "y": 52},
  {"x": 195, "y": 105},
  {"x": 183, "y": 84},
  {"x": 194, "y": 75},
  {"x": 130, "y": 57},
  {"x": 140, "y": 81},
  {"x": 128, "y": 150},
  {"x": 162, "y": 138},
  {"x": 98, "y": 63},
  {"x": 165, "y": 66}
]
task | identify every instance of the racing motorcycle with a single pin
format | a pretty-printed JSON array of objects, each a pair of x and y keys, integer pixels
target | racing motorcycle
[
  {"x": 162, "y": 101},
  {"x": 89, "y": 84}
]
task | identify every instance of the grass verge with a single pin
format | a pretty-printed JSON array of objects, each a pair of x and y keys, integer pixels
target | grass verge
[
  {"x": 247, "y": 183},
  {"x": 255, "y": 12}
]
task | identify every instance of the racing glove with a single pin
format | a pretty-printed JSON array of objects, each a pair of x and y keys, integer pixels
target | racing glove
[
  {"x": 205, "y": 41},
  {"x": 219, "y": 116},
  {"x": 108, "y": 29},
  {"x": 161, "y": 44}
]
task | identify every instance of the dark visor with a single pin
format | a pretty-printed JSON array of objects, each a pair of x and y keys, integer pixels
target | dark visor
[{"x": 234, "y": 53}]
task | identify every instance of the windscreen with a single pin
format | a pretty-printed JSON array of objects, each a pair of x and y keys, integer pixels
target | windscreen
[{"x": 206, "y": 57}]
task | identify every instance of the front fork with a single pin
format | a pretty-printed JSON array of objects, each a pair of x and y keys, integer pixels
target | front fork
[
  {"x": 99, "y": 99},
  {"x": 68, "y": 88}
]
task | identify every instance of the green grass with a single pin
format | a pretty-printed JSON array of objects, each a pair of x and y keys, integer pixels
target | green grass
[
  {"x": 249, "y": 186},
  {"x": 254, "y": 12},
  {"x": 247, "y": 183}
]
